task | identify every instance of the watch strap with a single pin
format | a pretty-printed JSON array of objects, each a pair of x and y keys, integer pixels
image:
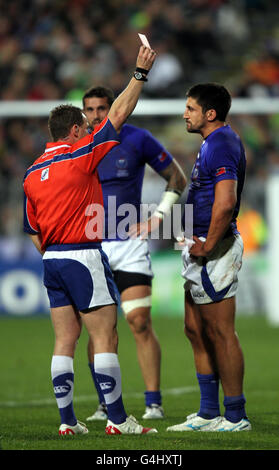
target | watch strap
[
  {"x": 139, "y": 76},
  {"x": 139, "y": 69}
]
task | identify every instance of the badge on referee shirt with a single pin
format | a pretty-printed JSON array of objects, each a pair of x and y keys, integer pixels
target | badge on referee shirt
[{"x": 45, "y": 174}]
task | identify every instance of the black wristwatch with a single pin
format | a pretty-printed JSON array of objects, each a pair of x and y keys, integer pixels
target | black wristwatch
[{"x": 140, "y": 76}]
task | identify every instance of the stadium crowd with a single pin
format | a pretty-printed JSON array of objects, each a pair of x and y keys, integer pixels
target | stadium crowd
[{"x": 55, "y": 50}]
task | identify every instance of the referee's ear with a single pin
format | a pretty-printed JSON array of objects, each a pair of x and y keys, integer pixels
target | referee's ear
[{"x": 74, "y": 131}]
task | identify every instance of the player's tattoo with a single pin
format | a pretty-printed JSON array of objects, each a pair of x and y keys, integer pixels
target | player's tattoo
[{"x": 174, "y": 176}]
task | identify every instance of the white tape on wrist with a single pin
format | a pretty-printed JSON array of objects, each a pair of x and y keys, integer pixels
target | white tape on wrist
[{"x": 169, "y": 198}]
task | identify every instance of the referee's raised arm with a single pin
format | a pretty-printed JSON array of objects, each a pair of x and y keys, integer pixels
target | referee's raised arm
[{"x": 126, "y": 102}]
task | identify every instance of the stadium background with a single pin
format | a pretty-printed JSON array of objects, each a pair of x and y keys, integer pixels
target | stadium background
[{"x": 51, "y": 52}]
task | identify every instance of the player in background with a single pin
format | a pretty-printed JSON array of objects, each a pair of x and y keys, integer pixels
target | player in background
[
  {"x": 212, "y": 262},
  {"x": 60, "y": 188},
  {"x": 121, "y": 174}
]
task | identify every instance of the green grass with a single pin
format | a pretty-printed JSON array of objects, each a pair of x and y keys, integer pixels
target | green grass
[{"x": 30, "y": 420}]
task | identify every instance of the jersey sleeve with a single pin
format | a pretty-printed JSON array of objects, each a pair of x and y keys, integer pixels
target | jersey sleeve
[
  {"x": 154, "y": 153},
  {"x": 222, "y": 164},
  {"x": 29, "y": 218},
  {"x": 89, "y": 151}
]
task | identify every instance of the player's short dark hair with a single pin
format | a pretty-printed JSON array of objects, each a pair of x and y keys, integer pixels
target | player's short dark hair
[
  {"x": 62, "y": 119},
  {"x": 212, "y": 96},
  {"x": 99, "y": 92}
]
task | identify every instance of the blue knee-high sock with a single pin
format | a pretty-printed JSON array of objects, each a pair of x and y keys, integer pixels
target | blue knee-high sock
[
  {"x": 62, "y": 374},
  {"x": 153, "y": 398},
  {"x": 234, "y": 408},
  {"x": 108, "y": 376},
  {"x": 97, "y": 386},
  {"x": 209, "y": 388}
]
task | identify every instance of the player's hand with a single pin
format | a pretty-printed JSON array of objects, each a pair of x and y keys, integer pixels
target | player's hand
[
  {"x": 146, "y": 58},
  {"x": 198, "y": 248},
  {"x": 143, "y": 229},
  {"x": 181, "y": 241}
]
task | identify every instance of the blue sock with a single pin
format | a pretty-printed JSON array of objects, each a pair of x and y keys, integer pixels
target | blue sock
[
  {"x": 235, "y": 408},
  {"x": 108, "y": 375},
  {"x": 62, "y": 374},
  {"x": 96, "y": 383},
  {"x": 209, "y": 388},
  {"x": 153, "y": 398}
]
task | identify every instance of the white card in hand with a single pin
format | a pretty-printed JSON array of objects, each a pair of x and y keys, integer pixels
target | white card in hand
[{"x": 144, "y": 40}]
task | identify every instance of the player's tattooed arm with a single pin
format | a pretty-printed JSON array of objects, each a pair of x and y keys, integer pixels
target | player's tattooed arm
[
  {"x": 175, "y": 177},
  {"x": 176, "y": 182}
]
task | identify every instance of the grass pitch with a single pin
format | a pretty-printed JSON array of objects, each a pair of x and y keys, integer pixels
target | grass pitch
[{"x": 30, "y": 419}]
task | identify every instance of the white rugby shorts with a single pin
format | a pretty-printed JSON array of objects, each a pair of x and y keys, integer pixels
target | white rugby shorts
[
  {"x": 215, "y": 277},
  {"x": 130, "y": 255}
]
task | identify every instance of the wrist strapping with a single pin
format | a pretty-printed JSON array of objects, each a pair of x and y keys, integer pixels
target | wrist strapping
[{"x": 169, "y": 198}]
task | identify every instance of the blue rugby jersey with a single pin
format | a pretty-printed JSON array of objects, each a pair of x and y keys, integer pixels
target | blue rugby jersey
[
  {"x": 221, "y": 157},
  {"x": 121, "y": 171}
]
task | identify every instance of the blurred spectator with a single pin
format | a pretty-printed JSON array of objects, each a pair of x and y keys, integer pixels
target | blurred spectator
[
  {"x": 55, "y": 50},
  {"x": 166, "y": 76},
  {"x": 64, "y": 46},
  {"x": 253, "y": 229}
]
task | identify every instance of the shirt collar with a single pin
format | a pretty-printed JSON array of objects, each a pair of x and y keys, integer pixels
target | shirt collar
[{"x": 50, "y": 146}]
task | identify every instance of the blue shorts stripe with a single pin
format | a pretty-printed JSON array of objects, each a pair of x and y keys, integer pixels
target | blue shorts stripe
[
  {"x": 208, "y": 287},
  {"x": 74, "y": 246},
  {"x": 110, "y": 282},
  {"x": 79, "y": 278}
]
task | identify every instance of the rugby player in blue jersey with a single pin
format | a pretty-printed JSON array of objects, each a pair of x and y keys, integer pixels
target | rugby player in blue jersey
[
  {"x": 212, "y": 262},
  {"x": 121, "y": 177}
]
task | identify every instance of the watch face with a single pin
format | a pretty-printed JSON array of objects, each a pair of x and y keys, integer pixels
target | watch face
[{"x": 138, "y": 75}]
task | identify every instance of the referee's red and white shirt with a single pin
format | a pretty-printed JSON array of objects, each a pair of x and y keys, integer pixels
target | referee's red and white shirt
[{"x": 62, "y": 183}]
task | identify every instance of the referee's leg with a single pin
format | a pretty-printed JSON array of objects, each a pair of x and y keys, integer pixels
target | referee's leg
[
  {"x": 67, "y": 327},
  {"x": 101, "y": 326}
]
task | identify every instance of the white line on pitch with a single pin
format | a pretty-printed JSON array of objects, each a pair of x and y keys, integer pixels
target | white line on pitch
[{"x": 83, "y": 398}]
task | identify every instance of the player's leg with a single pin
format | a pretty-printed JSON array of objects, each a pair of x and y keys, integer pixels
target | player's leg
[
  {"x": 209, "y": 412},
  {"x": 207, "y": 375},
  {"x": 136, "y": 305},
  {"x": 204, "y": 358},
  {"x": 67, "y": 327},
  {"x": 219, "y": 321},
  {"x": 194, "y": 330}
]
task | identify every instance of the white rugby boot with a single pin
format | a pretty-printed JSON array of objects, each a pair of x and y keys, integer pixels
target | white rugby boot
[
  {"x": 196, "y": 423},
  {"x": 130, "y": 426},
  {"x": 101, "y": 414},
  {"x": 227, "y": 426},
  {"x": 67, "y": 430},
  {"x": 153, "y": 411}
]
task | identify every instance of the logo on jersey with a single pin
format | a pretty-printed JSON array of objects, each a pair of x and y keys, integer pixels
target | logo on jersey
[
  {"x": 45, "y": 174},
  {"x": 122, "y": 165},
  {"x": 195, "y": 173},
  {"x": 220, "y": 171}
]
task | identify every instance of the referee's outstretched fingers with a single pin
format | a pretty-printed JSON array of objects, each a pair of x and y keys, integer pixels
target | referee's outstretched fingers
[{"x": 146, "y": 57}]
